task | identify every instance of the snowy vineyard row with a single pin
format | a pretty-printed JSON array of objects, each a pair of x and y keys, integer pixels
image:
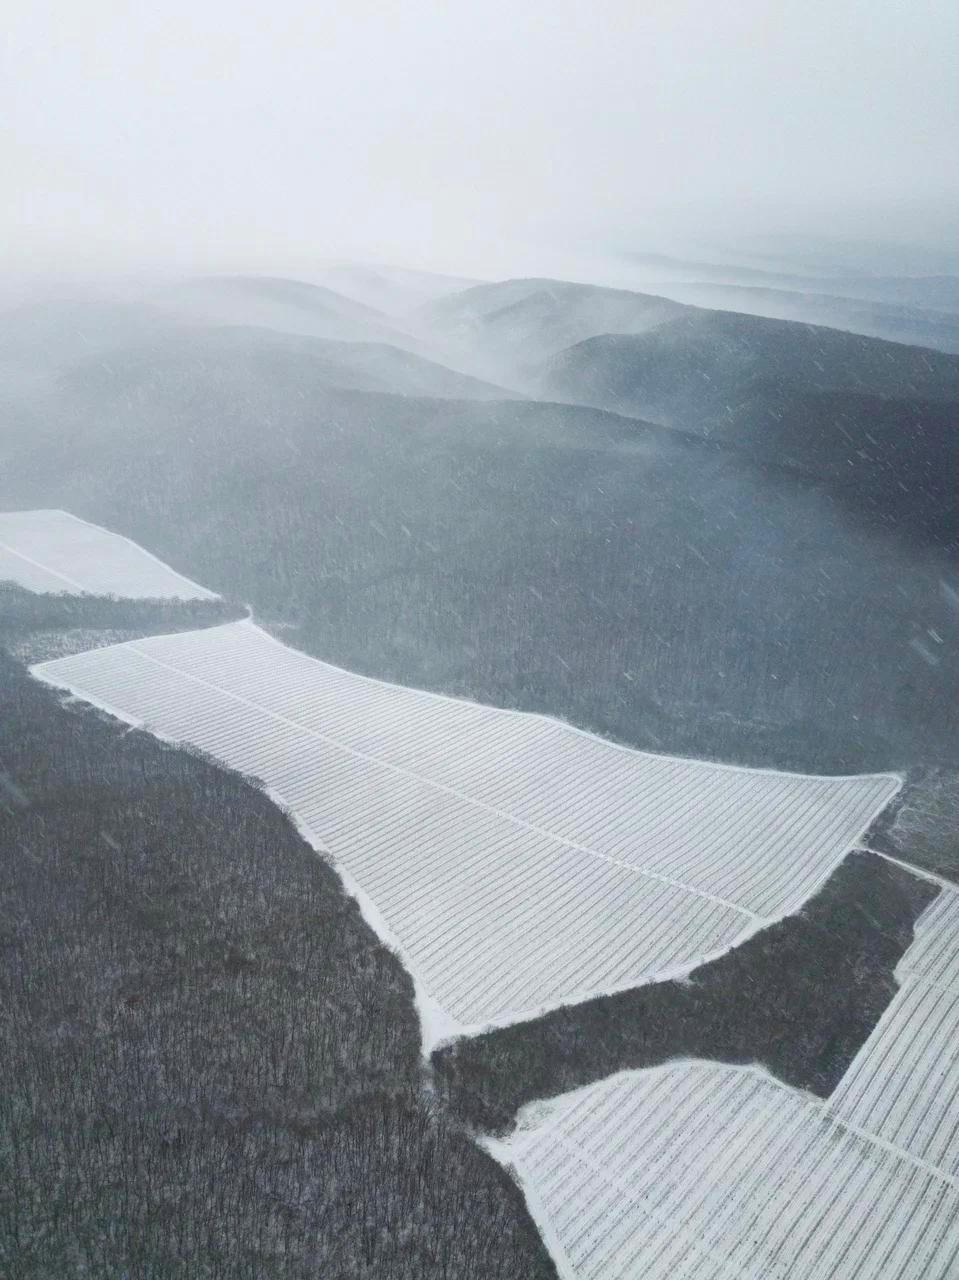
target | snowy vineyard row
[
  {"x": 53, "y": 551},
  {"x": 710, "y": 1172},
  {"x": 520, "y": 864},
  {"x": 903, "y": 1085},
  {"x": 517, "y": 862}
]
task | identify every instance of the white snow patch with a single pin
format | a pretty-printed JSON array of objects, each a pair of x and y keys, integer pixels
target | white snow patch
[
  {"x": 54, "y": 551},
  {"x": 516, "y": 863},
  {"x": 436, "y": 1026},
  {"x": 700, "y": 1170}
]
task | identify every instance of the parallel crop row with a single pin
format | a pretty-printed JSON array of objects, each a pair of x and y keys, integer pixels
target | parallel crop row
[
  {"x": 519, "y": 863},
  {"x": 903, "y": 1085},
  {"x": 708, "y": 1172},
  {"x": 53, "y": 551}
]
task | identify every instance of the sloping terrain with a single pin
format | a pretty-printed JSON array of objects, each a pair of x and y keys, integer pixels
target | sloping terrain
[
  {"x": 39, "y": 339},
  {"x": 290, "y": 306},
  {"x": 800, "y": 997},
  {"x": 443, "y": 812},
  {"x": 210, "y": 1065},
  {"x": 407, "y": 1226},
  {"x": 912, "y": 325},
  {"x": 209, "y": 317},
  {"x": 252, "y": 364},
  {"x": 53, "y": 551},
  {"x": 875, "y": 420},
  {"x": 513, "y": 325},
  {"x": 700, "y": 1170},
  {"x": 698, "y": 360},
  {"x": 935, "y": 292},
  {"x": 392, "y": 290},
  {"x": 708, "y": 1172},
  {"x": 633, "y": 580}
]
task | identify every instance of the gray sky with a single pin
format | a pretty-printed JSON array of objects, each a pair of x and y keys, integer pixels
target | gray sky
[{"x": 270, "y": 134}]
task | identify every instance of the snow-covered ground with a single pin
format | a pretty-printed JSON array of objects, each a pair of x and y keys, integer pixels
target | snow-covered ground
[
  {"x": 903, "y": 1085},
  {"x": 519, "y": 863},
  {"x": 706, "y": 1171},
  {"x": 710, "y": 1172},
  {"x": 53, "y": 551}
]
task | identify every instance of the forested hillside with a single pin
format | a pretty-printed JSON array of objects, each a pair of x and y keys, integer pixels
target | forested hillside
[
  {"x": 800, "y": 998},
  {"x": 704, "y": 354},
  {"x": 674, "y": 593},
  {"x": 907, "y": 322},
  {"x": 211, "y": 1065}
]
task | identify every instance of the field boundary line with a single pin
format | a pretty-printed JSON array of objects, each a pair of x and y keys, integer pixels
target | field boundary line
[
  {"x": 208, "y": 594},
  {"x": 436, "y": 786},
  {"x": 566, "y": 727},
  {"x": 949, "y": 886},
  {"x": 817, "y": 1105},
  {"x": 205, "y": 592},
  {"x": 21, "y": 555}
]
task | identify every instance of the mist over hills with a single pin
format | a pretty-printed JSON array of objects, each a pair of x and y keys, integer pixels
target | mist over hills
[
  {"x": 247, "y": 359},
  {"x": 514, "y": 324},
  {"x": 876, "y": 418},
  {"x": 634, "y": 580},
  {"x": 292, "y": 306},
  {"x": 916, "y": 326},
  {"x": 439, "y": 493},
  {"x": 694, "y": 586},
  {"x": 935, "y": 291},
  {"x": 37, "y": 339},
  {"x": 595, "y": 362},
  {"x": 707, "y": 347},
  {"x": 392, "y": 290}
]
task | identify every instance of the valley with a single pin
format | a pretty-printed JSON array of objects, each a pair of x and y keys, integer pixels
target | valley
[{"x": 563, "y": 699}]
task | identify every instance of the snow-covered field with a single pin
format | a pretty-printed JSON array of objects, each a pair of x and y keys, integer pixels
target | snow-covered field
[
  {"x": 701, "y": 1170},
  {"x": 53, "y": 551},
  {"x": 518, "y": 863},
  {"x": 903, "y": 1085}
]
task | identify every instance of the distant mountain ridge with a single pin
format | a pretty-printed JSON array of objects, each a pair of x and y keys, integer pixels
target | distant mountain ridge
[
  {"x": 252, "y": 357},
  {"x": 392, "y": 290},
  {"x": 877, "y": 418},
  {"x": 292, "y": 306},
  {"x": 514, "y": 324},
  {"x": 695, "y": 586},
  {"x": 937, "y": 291},
  {"x": 914, "y": 326},
  {"x": 711, "y": 351}
]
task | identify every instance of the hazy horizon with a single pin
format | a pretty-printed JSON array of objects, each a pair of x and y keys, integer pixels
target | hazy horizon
[{"x": 484, "y": 140}]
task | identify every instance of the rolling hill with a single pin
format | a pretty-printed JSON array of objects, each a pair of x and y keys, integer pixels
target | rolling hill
[
  {"x": 712, "y": 353},
  {"x": 938, "y": 292},
  {"x": 512, "y": 325},
  {"x": 291, "y": 306},
  {"x": 665, "y": 590},
  {"x": 913, "y": 325},
  {"x": 765, "y": 575},
  {"x": 876, "y": 419},
  {"x": 392, "y": 290},
  {"x": 255, "y": 363}
]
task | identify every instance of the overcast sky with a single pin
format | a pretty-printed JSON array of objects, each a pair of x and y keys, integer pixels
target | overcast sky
[{"x": 273, "y": 133}]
